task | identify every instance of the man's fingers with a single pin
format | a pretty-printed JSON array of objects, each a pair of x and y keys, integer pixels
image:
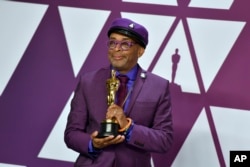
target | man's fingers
[{"x": 94, "y": 134}]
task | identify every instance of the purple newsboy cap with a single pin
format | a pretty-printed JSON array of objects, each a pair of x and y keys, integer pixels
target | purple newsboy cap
[{"x": 130, "y": 29}]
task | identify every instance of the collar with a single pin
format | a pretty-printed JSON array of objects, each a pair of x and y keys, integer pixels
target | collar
[{"x": 131, "y": 74}]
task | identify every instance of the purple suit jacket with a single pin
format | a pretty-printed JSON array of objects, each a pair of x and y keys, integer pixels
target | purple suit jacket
[{"x": 149, "y": 107}]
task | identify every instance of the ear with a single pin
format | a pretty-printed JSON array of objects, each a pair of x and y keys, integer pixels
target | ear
[{"x": 140, "y": 51}]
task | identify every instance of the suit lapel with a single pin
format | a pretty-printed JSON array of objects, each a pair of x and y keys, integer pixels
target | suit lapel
[{"x": 136, "y": 90}]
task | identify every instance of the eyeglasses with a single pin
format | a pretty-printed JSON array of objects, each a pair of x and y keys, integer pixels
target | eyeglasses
[{"x": 123, "y": 45}]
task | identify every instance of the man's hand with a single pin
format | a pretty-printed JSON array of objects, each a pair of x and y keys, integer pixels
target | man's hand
[
  {"x": 100, "y": 143},
  {"x": 115, "y": 111}
]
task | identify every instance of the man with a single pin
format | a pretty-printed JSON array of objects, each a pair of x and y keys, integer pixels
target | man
[{"x": 144, "y": 118}]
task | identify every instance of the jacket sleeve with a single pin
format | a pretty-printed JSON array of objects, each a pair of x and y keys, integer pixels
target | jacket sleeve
[{"x": 75, "y": 135}]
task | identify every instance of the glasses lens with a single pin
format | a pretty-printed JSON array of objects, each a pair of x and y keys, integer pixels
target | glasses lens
[
  {"x": 111, "y": 44},
  {"x": 125, "y": 45}
]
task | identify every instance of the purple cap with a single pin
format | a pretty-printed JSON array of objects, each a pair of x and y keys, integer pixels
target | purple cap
[{"x": 130, "y": 29}]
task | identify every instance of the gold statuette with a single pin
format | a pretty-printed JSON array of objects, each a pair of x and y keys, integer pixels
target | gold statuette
[
  {"x": 112, "y": 87},
  {"x": 110, "y": 126}
]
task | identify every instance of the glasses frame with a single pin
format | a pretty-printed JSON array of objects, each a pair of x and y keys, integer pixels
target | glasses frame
[{"x": 119, "y": 43}]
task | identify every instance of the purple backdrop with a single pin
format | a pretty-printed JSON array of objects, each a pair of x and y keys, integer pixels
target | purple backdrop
[{"x": 35, "y": 94}]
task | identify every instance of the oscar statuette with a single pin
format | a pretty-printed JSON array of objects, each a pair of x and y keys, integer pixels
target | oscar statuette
[{"x": 110, "y": 126}]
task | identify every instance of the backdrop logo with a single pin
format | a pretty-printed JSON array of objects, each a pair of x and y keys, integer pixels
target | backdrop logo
[{"x": 188, "y": 51}]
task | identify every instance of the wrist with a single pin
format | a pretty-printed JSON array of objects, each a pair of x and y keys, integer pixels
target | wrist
[{"x": 129, "y": 122}]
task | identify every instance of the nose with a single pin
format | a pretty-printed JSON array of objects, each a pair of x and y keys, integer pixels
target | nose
[{"x": 117, "y": 47}]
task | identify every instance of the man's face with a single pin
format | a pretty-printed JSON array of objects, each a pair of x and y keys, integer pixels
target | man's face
[{"x": 124, "y": 60}]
